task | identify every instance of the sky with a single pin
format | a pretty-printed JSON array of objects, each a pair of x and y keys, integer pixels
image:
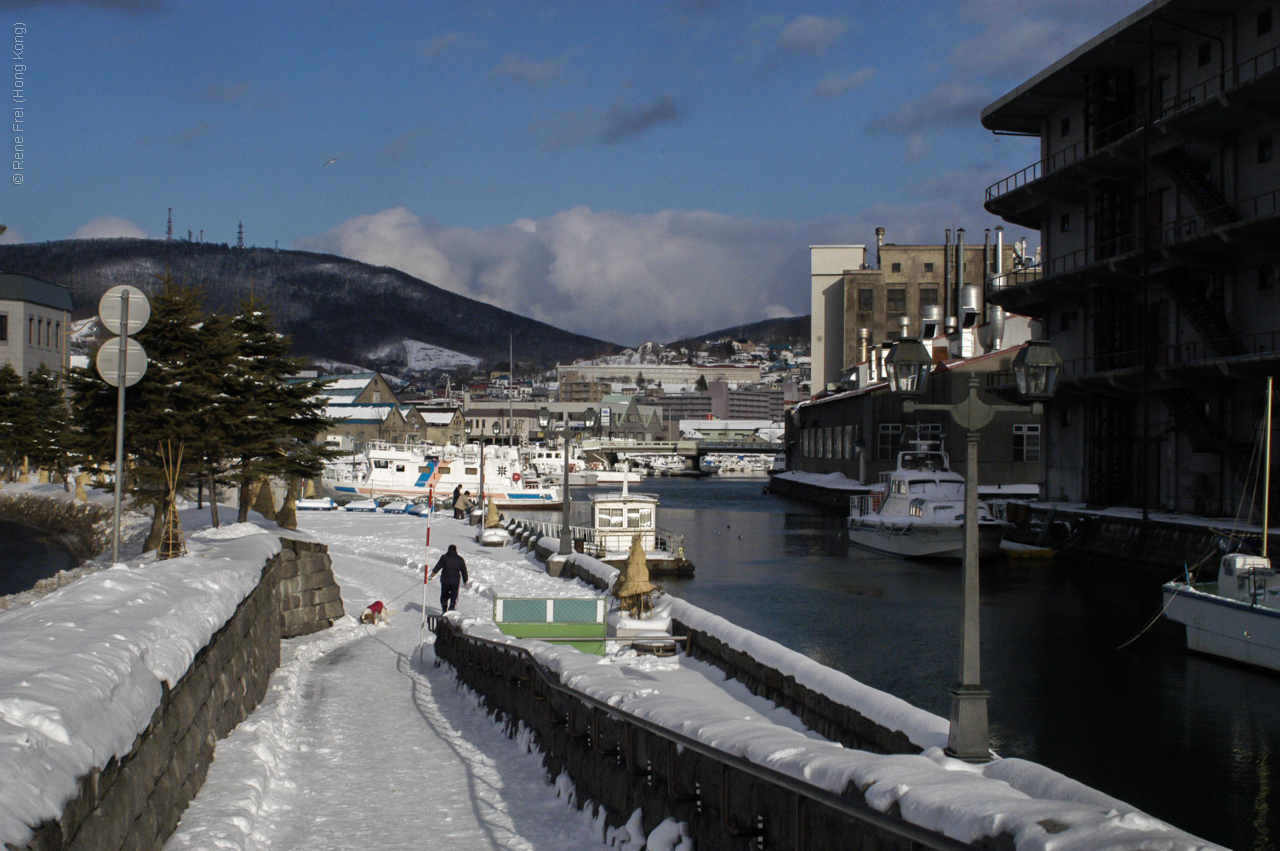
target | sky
[{"x": 678, "y": 156}]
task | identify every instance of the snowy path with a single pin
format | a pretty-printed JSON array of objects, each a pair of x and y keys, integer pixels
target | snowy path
[{"x": 360, "y": 744}]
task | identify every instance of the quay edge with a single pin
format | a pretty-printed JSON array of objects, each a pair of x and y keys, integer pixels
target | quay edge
[{"x": 1164, "y": 544}]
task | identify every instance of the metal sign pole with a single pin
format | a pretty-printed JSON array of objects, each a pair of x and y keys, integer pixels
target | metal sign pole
[{"x": 120, "y": 374}]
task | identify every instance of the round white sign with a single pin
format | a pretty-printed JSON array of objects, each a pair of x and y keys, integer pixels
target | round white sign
[
  {"x": 111, "y": 309},
  {"x": 135, "y": 359}
]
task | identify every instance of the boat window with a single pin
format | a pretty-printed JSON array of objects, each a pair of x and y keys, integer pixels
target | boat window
[
  {"x": 471, "y": 471},
  {"x": 381, "y": 464},
  {"x": 399, "y": 468},
  {"x": 640, "y": 518},
  {"x": 610, "y": 518}
]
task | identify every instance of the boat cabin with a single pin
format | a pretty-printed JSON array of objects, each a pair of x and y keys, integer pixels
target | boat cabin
[
  {"x": 1245, "y": 578},
  {"x": 619, "y": 517}
]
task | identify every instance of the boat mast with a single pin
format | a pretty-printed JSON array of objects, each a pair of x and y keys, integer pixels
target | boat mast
[{"x": 1266, "y": 476}]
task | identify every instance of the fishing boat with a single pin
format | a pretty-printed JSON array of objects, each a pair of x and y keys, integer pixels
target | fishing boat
[
  {"x": 1238, "y": 616},
  {"x": 917, "y": 511},
  {"x": 415, "y": 471}
]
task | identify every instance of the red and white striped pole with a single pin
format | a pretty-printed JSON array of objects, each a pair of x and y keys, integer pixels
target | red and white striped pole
[{"x": 426, "y": 567}]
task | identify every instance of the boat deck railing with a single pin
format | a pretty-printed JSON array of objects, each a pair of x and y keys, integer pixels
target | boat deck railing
[{"x": 590, "y": 541}]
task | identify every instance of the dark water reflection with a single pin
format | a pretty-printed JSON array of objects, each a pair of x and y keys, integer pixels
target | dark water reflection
[
  {"x": 1190, "y": 740},
  {"x": 29, "y": 556}
]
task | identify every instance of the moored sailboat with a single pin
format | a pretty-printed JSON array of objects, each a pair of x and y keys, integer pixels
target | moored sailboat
[{"x": 1238, "y": 616}]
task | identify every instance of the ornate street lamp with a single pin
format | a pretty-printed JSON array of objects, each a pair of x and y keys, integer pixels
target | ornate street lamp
[
  {"x": 565, "y": 432},
  {"x": 1036, "y": 369}
]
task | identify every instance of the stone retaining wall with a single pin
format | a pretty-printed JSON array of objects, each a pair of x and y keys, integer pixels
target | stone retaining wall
[
  {"x": 84, "y": 528},
  {"x": 134, "y": 803},
  {"x": 835, "y": 721},
  {"x": 310, "y": 597},
  {"x": 621, "y": 766}
]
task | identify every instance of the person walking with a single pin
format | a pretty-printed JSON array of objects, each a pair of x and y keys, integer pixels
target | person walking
[
  {"x": 457, "y": 502},
  {"x": 453, "y": 572}
]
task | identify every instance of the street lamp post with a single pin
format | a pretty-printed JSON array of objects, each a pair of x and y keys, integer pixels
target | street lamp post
[
  {"x": 565, "y": 432},
  {"x": 1036, "y": 369}
]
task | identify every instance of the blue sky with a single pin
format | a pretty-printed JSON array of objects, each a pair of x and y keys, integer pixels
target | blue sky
[{"x": 628, "y": 170}]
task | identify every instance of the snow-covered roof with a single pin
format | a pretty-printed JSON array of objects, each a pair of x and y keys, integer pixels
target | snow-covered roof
[{"x": 359, "y": 413}]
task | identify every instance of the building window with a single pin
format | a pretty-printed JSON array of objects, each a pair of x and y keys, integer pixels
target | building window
[
  {"x": 1264, "y": 149},
  {"x": 1268, "y": 277},
  {"x": 57, "y": 336},
  {"x": 4, "y": 327},
  {"x": 928, "y": 296},
  {"x": 1026, "y": 442},
  {"x": 1064, "y": 223},
  {"x": 895, "y": 300},
  {"x": 887, "y": 441},
  {"x": 866, "y": 299},
  {"x": 928, "y": 267},
  {"x": 1064, "y": 128},
  {"x": 1204, "y": 54},
  {"x": 826, "y": 443},
  {"x": 848, "y": 442},
  {"x": 1264, "y": 22},
  {"x": 31, "y": 330}
]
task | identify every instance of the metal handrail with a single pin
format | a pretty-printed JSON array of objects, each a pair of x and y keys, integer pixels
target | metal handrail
[
  {"x": 667, "y": 542},
  {"x": 1245, "y": 72},
  {"x": 806, "y": 791}
]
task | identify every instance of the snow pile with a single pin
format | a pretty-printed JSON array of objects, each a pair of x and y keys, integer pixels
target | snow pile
[{"x": 81, "y": 669}]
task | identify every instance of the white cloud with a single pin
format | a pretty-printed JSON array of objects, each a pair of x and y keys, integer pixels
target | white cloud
[
  {"x": 108, "y": 227},
  {"x": 626, "y": 277},
  {"x": 809, "y": 35},
  {"x": 835, "y": 84}
]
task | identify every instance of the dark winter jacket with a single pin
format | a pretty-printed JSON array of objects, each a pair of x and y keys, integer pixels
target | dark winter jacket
[{"x": 451, "y": 567}]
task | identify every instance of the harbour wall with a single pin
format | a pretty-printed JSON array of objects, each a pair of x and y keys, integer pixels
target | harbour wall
[
  {"x": 134, "y": 802},
  {"x": 1162, "y": 545}
]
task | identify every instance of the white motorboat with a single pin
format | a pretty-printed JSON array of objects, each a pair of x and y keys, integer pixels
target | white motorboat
[
  {"x": 416, "y": 471},
  {"x": 1237, "y": 617},
  {"x": 917, "y": 511}
]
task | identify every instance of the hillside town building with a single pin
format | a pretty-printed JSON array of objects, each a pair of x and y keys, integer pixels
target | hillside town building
[{"x": 1156, "y": 191}]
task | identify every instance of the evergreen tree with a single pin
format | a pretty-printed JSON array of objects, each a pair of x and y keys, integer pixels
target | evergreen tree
[
  {"x": 48, "y": 433},
  {"x": 273, "y": 418},
  {"x": 701, "y": 384},
  {"x": 11, "y": 425}
]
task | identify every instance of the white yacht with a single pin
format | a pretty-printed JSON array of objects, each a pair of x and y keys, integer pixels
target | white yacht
[
  {"x": 414, "y": 471},
  {"x": 917, "y": 511}
]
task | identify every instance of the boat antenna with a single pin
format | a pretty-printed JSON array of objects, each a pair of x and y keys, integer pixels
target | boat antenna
[{"x": 1266, "y": 476}]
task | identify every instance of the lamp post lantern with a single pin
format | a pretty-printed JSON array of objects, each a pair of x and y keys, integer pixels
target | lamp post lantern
[
  {"x": 565, "y": 432},
  {"x": 1036, "y": 369}
]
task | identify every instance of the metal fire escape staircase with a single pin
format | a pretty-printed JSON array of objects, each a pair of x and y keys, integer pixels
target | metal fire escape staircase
[
  {"x": 1188, "y": 175},
  {"x": 1203, "y": 314}
]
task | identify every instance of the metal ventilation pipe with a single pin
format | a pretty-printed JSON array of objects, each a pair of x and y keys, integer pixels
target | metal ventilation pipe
[
  {"x": 959, "y": 269},
  {"x": 864, "y": 344},
  {"x": 946, "y": 275},
  {"x": 904, "y": 322},
  {"x": 930, "y": 321},
  {"x": 995, "y": 313},
  {"x": 970, "y": 305}
]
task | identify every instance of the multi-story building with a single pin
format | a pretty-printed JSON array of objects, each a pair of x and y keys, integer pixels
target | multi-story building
[
  {"x": 35, "y": 324},
  {"x": 1157, "y": 195},
  {"x": 658, "y": 374}
]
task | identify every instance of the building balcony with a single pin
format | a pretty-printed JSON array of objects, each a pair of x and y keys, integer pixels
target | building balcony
[
  {"x": 1196, "y": 241},
  {"x": 1200, "y": 112}
]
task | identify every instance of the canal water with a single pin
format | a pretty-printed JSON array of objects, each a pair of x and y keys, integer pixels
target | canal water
[
  {"x": 29, "y": 556},
  {"x": 1190, "y": 740}
]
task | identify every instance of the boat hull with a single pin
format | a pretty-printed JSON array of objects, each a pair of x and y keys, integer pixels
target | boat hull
[
  {"x": 1228, "y": 629},
  {"x": 922, "y": 540},
  {"x": 505, "y": 499}
]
